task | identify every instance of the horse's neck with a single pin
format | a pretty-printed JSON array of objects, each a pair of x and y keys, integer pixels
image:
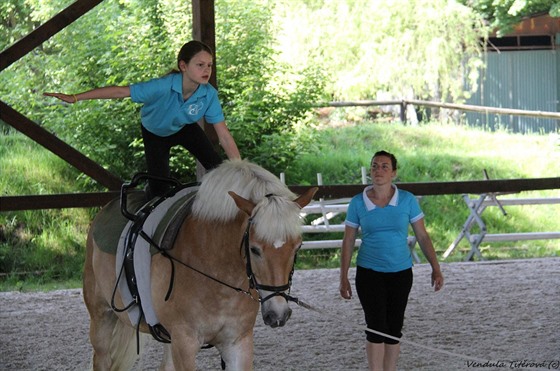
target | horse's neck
[{"x": 214, "y": 244}]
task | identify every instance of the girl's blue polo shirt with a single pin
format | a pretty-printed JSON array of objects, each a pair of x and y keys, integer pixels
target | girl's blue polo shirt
[
  {"x": 165, "y": 112},
  {"x": 384, "y": 245}
]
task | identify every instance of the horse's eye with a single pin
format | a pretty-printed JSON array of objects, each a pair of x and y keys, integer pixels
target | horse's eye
[{"x": 255, "y": 251}]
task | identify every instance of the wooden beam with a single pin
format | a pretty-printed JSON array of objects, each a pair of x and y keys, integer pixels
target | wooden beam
[
  {"x": 58, "y": 201},
  {"x": 14, "y": 203},
  {"x": 45, "y": 31},
  {"x": 58, "y": 147},
  {"x": 204, "y": 29},
  {"x": 473, "y": 108},
  {"x": 460, "y": 107},
  {"x": 442, "y": 188}
]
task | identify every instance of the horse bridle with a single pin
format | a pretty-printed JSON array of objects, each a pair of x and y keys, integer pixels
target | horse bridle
[{"x": 253, "y": 284}]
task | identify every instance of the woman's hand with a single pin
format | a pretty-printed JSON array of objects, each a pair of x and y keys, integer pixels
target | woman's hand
[
  {"x": 345, "y": 288},
  {"x": 437, "y": 280},
  {"x": 64, "y": 97}
]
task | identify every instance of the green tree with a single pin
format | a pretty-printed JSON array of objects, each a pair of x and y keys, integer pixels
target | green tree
[
  {"x": 264, "y": 100},
  {"x": 429, "y": 47}
]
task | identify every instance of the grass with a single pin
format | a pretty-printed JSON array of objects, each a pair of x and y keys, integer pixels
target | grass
[
  {"x": 44, "y": 249},
  {"x": 39, "y": 247}
]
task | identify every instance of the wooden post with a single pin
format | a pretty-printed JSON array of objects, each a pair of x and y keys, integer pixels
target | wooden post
[
  {"x": 403, "y": 111},
  {"x": 204, "y": 29}
]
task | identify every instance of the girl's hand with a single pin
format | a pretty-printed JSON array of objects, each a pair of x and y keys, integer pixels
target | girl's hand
[{"x": 64, "y": 97}]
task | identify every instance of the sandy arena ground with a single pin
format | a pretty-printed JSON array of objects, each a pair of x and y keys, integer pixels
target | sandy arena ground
[{"x": 503, "y": 312}]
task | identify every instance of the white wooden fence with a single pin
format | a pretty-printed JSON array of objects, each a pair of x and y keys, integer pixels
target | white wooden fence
[
  {"x": 326, "y": 210},
  {"x": 477, "y": 207}
]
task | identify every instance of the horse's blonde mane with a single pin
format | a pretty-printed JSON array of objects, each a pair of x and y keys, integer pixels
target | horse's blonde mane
[{"x": 278, "y": 217}]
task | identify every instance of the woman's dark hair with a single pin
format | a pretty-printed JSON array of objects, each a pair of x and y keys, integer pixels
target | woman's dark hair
[
  {"x": 386, "y": 154},
  {"x": 190, "y": 49}
]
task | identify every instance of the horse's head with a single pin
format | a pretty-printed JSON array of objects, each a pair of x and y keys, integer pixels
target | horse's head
[{"x": 271, "y": 242}]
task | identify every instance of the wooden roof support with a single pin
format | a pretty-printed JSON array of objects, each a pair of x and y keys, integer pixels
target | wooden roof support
[
  {"x": 13, "y": 203},
  {"x": 45, "y": 31},
  {"x": 58, "y": 147},
  {"x": 204, "y": 29}
]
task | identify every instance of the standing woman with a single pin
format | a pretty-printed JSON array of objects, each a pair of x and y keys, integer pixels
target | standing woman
[
  {"x": 172, "y": 105},
  {"x": 384, "y": 262}
]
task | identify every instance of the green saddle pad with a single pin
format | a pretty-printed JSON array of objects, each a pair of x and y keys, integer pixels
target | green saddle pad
[{"x": 110, "y": 223}]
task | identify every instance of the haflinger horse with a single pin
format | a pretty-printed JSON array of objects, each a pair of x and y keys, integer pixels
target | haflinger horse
[{"x": 234, "y": 252}]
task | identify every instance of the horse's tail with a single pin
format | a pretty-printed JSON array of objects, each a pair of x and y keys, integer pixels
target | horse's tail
[{"x": 124, "y": 346}]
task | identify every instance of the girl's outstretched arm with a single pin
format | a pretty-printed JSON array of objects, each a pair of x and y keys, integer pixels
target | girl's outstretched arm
[{"x": 107, "y": 92}]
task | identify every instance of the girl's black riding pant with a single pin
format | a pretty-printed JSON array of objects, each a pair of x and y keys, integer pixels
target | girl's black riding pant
[{"x": 157, "y": 150}]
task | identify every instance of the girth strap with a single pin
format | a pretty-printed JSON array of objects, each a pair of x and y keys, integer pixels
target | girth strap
[{"x": 136, "y": 229}]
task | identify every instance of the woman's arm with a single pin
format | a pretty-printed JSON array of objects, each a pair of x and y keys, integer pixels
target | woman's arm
[
  {"x": 348, "y": 243},
  {"x": 226, "y": 141},
  {"x": 427, "y": 247},
  {"x": 107, "y": 92}
]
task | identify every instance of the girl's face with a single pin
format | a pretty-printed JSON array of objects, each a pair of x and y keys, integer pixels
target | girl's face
[
  {"x": 199, "y": 68},
  {"x": 382, "y": 170}
]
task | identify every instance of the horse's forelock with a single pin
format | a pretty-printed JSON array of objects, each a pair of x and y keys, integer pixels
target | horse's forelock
[
  {"x": 277, "y": 219},
  {"x": 248, "y": 180}
]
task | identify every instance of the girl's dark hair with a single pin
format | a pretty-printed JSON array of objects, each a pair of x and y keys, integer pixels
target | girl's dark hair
[
  {"x": 386, "y": 154},
  {"x": 190, "y": 49}
]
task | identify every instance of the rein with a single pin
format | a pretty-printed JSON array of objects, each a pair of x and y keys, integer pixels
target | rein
[
  {"x": 253, "y": 284},
  {"x": 172, "y": 259}
]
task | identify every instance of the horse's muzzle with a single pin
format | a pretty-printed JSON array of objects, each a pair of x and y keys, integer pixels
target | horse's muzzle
[{"x": 275, "y": 319}]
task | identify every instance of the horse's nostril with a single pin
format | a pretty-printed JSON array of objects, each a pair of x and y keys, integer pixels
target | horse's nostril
[{"x": 274, "y": 319}]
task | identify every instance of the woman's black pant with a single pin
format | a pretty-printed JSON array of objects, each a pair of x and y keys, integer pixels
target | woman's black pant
[{"x": 384, "y": 297}]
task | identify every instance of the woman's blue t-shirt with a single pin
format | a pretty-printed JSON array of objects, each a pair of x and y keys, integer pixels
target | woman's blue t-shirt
[
  {"x": 165, "y": 112},
  {"x": 384, "y": 230}
]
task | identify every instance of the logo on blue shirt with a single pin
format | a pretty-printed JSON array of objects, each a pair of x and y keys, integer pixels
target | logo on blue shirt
[{"x": 194, "y": 108}]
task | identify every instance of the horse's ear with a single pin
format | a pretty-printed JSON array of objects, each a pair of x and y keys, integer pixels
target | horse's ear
[
  {"x": 306, "y": 198},
  {"x": 243, "y": 204}
]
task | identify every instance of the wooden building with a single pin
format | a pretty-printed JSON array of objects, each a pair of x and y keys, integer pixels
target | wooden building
[{"x": 522, "y": 72}]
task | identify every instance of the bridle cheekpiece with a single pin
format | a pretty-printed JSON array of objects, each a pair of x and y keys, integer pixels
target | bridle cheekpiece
[{"x": 253, "y": 284}]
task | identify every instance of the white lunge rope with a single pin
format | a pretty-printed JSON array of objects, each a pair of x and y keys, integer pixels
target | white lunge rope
[{"x": 413, "y": 343}]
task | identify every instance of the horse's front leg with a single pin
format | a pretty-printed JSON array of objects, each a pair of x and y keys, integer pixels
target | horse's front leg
[
  {"x": 238, "y": 356},
  {"x": 102, "y": 324},
  {"x": 167, "y": 361},
  {"x": 183, "y": 350}
]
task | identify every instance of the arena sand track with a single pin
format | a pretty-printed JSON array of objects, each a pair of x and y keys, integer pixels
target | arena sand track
[{"x": 500, "y": 311}]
